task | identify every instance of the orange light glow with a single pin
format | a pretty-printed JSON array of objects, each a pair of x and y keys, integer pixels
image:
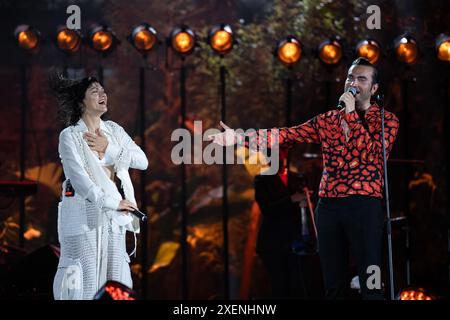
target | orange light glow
[
  {"x": 222, "y": 41},
  {"x": 330, "y": 53},
  {"x": 289, "y": 51},
  {"x": 118, "y": 293},
  {"x": 415, "y": 294},
  {"x": 183, "y": 42},
  {"x": 443, "y": 50},
  {"x": 28, "y": 40},
  {"x": 144, "y": 40},
  {"x": 102, "y": 40},
  {"x": 370, "y": 50},
  {"x": 68, "y": 40},
  {"x": 406, "y": 50}
]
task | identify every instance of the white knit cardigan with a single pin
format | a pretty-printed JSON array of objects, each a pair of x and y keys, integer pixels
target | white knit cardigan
[{"x": 96, "y": 195}]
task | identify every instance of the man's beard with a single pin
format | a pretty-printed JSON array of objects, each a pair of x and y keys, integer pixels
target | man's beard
[{"x": 361, "y": 101}]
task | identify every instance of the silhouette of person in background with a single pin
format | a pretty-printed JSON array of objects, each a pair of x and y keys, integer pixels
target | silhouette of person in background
[{"x": 280, "y": 228}]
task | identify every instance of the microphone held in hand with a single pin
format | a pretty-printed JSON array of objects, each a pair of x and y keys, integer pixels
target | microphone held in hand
[
  {"x": 353, "y": 91},
  {"x": 139, "y": 214}
]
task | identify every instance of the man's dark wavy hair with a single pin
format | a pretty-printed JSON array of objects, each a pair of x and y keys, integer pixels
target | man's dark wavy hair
[
  {"x": 69, "y": 95},
  {"x": 364, "y": 62}
]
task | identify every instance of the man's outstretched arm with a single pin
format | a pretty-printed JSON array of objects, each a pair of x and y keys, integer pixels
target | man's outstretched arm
[{"x": 266, "y": 138}]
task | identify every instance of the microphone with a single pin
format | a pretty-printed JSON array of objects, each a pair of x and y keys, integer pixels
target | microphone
[
  {"x": 139, "y": 214},
  {"x": 353, "y": 91},
  {"x": 380, "y": 99}
]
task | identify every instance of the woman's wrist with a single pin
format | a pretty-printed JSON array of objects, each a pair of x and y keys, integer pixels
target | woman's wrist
[{"x": 111, "y": 203}]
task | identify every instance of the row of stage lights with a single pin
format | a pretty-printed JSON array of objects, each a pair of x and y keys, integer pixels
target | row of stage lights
[{"x": 221, "y": 38}]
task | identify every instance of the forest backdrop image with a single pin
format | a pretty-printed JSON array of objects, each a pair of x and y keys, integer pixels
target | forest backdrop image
[{"x": 255, "y": 93}]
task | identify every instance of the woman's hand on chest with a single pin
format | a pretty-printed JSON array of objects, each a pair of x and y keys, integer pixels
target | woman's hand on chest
[{"x": 97, "y": 142}]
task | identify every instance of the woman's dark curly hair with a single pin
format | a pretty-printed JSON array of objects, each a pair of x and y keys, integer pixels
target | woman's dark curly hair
[{"x": 69, "y": 94}]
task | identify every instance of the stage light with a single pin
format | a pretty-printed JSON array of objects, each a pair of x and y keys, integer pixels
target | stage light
[
  {"x": 369, "y": 49},
  {"x": 330, "y": 52},
  {"x": 406, "y": 50},
  {"x": 28, "y": 38},
  {"x": 289, "y": 51},
  {"x": 221, "y": 39},
  {"x": 415, "y": 294},
  {"x": 113, "y": 290},
  {"x": 102, "y": 39},
  {"x": 68, "y": 40},
  {"x": 143, "y": 38},
  {"x": 443, "y": 47},
  {"x": 182, "y": 40}
]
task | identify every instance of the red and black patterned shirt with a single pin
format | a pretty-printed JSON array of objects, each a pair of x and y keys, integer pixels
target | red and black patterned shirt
[{"x": 352, "y": 149}]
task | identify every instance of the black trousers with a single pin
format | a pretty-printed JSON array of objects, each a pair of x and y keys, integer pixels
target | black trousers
[{"x": 355, "y": 222}]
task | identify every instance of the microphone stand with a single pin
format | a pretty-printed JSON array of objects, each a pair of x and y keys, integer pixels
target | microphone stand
[{"x": 388, "y": 209}]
